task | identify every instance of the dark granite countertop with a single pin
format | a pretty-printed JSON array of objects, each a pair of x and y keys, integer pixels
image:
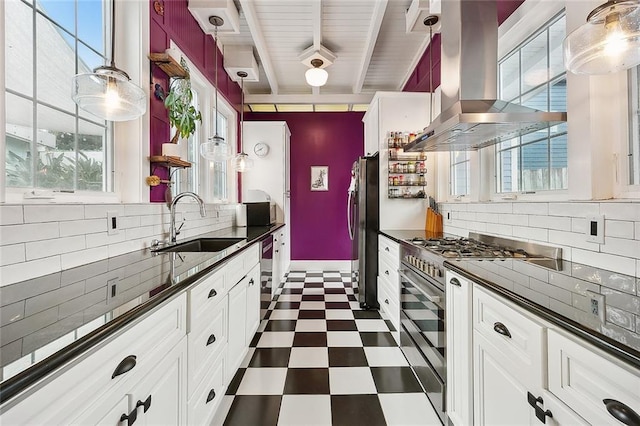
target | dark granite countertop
[
  {"x": 48, "y": 321},
  {"x": 560, "y": 292}
]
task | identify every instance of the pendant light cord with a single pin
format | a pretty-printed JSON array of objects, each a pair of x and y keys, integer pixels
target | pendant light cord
[
  {"x": 431, "y": 73},
  {"x": 215, "y": 46},
  {"x": 113, "y": 34},
  {"x": 241, "y": 114}
]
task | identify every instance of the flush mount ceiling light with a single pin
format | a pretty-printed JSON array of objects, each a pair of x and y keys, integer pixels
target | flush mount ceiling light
[
  {"x": 108, "y": 92},
  {"x": 608, "y": 42},
  {"x": 317, "y": 59},
  {"x": 215, "y": 148},
  {"x": 242, "y": 162}
]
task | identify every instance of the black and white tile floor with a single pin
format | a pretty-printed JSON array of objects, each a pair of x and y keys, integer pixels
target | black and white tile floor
[{"x": 319, "y": 360}]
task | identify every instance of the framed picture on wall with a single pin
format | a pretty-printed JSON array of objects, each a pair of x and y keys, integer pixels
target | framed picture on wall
[{"x": 319, "y": 178}]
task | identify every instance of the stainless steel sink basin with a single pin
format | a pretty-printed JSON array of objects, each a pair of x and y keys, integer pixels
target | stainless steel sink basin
[{"x": 203, "y": 245}]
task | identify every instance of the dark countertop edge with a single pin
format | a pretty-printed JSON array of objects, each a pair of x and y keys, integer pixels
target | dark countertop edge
[
  {"x": 601, "y": 341},
  {"x": 30, "y": 376}
]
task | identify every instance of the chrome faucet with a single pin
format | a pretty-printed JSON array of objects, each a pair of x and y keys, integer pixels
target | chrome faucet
[{"x": 173, "y": 232}]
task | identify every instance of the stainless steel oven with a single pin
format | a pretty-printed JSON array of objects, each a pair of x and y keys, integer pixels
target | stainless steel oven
[{"x": 422, "y": 334}]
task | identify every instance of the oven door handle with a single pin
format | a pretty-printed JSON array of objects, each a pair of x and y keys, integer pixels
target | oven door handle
[{"x": 432, "y": 297}]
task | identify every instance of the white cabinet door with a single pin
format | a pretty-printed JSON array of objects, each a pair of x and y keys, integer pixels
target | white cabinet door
[
  {"x": 459, "y": 350},
  {"x": 237, "y": 327},
  {"x": 500, "y": 398},
  {"x": 253, "y": 303},
  {"x": 371, "y": 129},
  {"x": 561, "y": 415},
  {"x": 161, "y": 398}
]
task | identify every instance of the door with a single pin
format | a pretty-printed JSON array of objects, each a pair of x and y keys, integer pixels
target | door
[
  {"x": 237, "y": 326},
  {"x": 285, "y": 234}
]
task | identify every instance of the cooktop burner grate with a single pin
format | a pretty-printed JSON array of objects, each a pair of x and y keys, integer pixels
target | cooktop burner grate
[{"x": 467, "y": 248}]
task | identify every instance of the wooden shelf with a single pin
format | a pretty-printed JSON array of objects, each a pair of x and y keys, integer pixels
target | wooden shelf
[
  {"x": 168, "y": 65},
  {"x": 169, "y": 161}
]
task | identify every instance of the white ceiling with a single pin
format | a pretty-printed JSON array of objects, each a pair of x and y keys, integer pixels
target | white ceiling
[{"x": 373, "y": 50}]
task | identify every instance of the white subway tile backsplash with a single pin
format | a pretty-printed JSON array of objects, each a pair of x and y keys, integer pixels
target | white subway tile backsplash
[
  {"x": 77, "y": 258},
  {"x": 52, "y": 213},
  {"x": 99, "y": 211},
  {"x": 47, "y": 248},
  {"x": 13, "y": 234},
  {"x": 12, "y": 254},
  {"x": 514, "y": 219},
  {"x": 571, "y": 239},
  {"x": 531, "y": 208},
  {"x": 26, "y": 270},
  {"x": 534, "y": 234},
  {"x": 487, "y": 217},
  {"x": 550, "y": 222},
  {"x": 499, "y": 229},
  {"x": 103, "y": 239},
  {"x": 579, "y": 225},
  {"x": 623, "y": 247},
  {"x": 11, "y": 215},
  {"x": 82, "y": 227},
  {"x": 624, "y": 265},
  {"x": 139, "y": 233},
  {"x": 576, "y": 209},
  {"x": 637, "y": 231},
  {"x": 127, "y": 222},
  {"x": 621, "y": 211},
  {"x": 499, "y": 207},
  {"x": 619, "y": 229},
  {"x": 144, "y": 209}
]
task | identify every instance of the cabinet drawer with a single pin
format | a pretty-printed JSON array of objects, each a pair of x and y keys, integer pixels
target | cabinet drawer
[
  {"x": 240, "y": 265},
  {"x": 515, "y": 335},
  {"x": 207, "y": 396},
  {"x": 207, "y": 339},
  {"x": 251, "y": 256},
  {"x": 206, "y": 294},
  {"x": 141, "y": 345},
  {"x": 388, "y": 270},
  {"x": 583, "y": 378},
  {"x": 390, "y": 248},
  {"x": 391, "y": 289},
  {"x": 389, "y": 303}
]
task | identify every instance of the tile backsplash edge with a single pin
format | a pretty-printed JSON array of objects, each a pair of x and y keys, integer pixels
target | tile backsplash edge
[{"x": 40, "y": 239}]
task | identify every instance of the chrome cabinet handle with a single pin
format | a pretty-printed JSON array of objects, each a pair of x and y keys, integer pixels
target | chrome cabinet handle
[
  {"x": 622, "y": 412},
  {"x": 455, "y": 281},
  {"x": 500, "y": 328}
]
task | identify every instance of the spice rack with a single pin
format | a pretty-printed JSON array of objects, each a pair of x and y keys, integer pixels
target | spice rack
[{"x": 406, "y": 170}]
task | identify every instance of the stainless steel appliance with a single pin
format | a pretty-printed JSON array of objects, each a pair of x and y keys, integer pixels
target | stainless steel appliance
[
  {"x": 266, "y": 274},
  {"x": 363, "y": 223},
  {"x": 422, "y": 299}
]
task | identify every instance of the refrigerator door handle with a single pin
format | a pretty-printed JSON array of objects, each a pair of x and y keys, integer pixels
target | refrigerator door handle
[{"x": 349, "y": 214}]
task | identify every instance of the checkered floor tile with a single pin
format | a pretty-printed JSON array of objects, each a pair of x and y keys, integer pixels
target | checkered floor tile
[{"x": 317, "y": 359}]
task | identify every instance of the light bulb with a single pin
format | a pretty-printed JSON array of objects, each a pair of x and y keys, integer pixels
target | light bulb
[
  {"x": 111, "y": 96},
  {"x": 615, "y": 41}
]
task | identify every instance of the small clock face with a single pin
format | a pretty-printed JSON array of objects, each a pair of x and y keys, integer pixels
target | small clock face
[{"x": 261, "y": 149}]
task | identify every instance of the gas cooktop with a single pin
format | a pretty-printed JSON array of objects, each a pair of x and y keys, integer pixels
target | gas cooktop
[{"x": 484, "y": 246}]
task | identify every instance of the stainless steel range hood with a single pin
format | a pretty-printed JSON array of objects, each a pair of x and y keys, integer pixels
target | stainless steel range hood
[{"x": 472, "y": 117}]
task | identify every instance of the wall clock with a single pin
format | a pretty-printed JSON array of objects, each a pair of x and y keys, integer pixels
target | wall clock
[{"x": 261, "y": 149}]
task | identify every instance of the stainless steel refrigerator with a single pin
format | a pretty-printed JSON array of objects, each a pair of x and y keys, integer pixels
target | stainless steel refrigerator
[{"x": 363, "y": 222}]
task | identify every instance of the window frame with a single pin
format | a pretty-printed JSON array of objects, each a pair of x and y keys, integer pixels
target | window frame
[
  {"x": 129, "y": 163},
  {"x": 541, "y": 26}
]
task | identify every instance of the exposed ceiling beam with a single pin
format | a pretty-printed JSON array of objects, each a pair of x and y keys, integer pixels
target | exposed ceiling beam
[
  {"x": 317, "y": 32},
  {"x": 329, "y": 98},
  {"x": 372, "y": 37},
  {"x": 260, "y": 42}
]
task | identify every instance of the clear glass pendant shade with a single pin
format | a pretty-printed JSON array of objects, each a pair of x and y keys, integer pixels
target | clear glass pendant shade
[
  {"x": 108, "y": 93},
  {"x": 215, "y": 149},
  {"x": 609, "y": 42},
  {"x": 316, "y": 77},
  {"x": 242, "y": 162}
]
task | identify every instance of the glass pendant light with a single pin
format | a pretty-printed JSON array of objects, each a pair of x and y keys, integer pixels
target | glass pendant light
[
  {"x": 215, "y": 148},
  {"x": 316, "y": 76},
  {"x": 108, "y": 92},
  {"x": 242, "y": 162},
  {"x": 609, "y": 41}
]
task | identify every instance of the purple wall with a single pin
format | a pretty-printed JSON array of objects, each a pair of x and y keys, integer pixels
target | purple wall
[
  {"x": 419, "y": 79},
  {"x": 318, "y": 218},
  {"x": 177, "y": 24}
]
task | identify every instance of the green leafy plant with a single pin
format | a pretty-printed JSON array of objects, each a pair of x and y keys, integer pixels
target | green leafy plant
[{"x": 182, "y": 114}]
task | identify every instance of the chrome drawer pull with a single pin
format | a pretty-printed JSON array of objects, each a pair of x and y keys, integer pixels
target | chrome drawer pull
[
  {"x": 500, "y": 328},
  {"x": 622, "y": 412}
]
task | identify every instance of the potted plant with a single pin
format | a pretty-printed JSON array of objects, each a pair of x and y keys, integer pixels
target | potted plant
[{"x": 182, "y": 114}]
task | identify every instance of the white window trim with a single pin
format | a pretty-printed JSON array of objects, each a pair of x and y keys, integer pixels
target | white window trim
[
  {"x": 622, "y": 188},
  {"x": 131, "y": 139}
]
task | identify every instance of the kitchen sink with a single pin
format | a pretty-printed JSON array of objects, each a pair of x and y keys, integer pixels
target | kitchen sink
[{"x": 202, "y": 244}]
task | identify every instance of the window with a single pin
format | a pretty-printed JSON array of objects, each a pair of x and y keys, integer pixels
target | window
[
  {"x": 50, "y": 143},
  {"x": 460, "y": 173},
  {"x": 218, "y": 190},
  {"x": 187, "y": 179},
  {"x": 634, "y": 126},
  {"x": 534, "y": 76}
]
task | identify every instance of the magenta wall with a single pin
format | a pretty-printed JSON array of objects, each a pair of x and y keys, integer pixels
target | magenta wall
[
  {"x": 318, "y": 218},
  {"x": 177, "y": 24},
  {"x": 419, "y": 79}
]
